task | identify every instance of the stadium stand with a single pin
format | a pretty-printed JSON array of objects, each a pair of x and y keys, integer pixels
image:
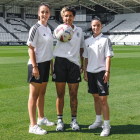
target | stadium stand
[
  {"x": 30, "y": 22},
  {"x": 136, "y": 38},
  {"x": 13, "y": 25},
  {"x": 111, "y": 25},
  {"x": 22, "y": 36},
  {"x": 127, "y": 26},
  {"x": 126, "y": 29},
  {"x": 2, "y": 30},
  {"x": 52, "y": 24},
  {"x": 19, "y": 29},
  {"x": 6, "y": 37},
  {"x": 83, "y": 25},
  {"x": 15, "y": 29}
]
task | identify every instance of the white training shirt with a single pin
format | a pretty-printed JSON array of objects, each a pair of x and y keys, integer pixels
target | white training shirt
[
  {"x": 96, "y": 50},
  {"x": 40, "y": 37},
  {"x": 71, "y": 49}
]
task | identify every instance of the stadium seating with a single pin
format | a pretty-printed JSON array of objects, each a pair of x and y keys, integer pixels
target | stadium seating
[
  {"x": 111, "y": 25},
  {"x": 126, "y": 26},
  {"x": 15, "y": 30},
  {"x": 7, "y": 37},
  {"x": 13, "y": 25},
  {"x": 127, "y": 31},
  {"x": 30, "y": 22},
  {"x": 83, "y": 25},
  {"x": 2, "y": 30},
  {"x": 52, "y": 24},
  {"x": 129, "y": 38},
  {"x": 120, "y": 29},
  {"x": 115, "y": 38},
  {"x": 22, "y": 36}
]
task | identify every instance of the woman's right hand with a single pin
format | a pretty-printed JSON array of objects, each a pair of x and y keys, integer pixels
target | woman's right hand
[
  {"x": 35, "y": 72},
  {"x": 85, "y": 76}
]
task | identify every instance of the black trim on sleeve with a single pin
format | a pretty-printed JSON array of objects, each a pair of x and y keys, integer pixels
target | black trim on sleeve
[
  {"x": 110, "y": 45},
  {"x": 34, "y": 31}
]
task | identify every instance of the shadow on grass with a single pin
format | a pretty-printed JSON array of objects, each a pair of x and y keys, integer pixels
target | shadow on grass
[
  {"x": 84, "y": 129},
  {"x": 125, "y": 129},
  {"x": 115, "y": 129}
]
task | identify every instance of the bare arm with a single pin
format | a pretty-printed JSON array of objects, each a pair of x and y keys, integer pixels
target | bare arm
[
  {"x": 81, "y": 57},
  {"x": 85, "y": 70},
  {"x": 107, "y": 74},
  {"x": 51, "y": 63},
  {"x": 35, "y": 71}
]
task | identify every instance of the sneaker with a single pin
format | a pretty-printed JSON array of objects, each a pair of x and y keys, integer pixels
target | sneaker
[
  {"x": 45, "y": 121},
  {"x": 60, "y": 125},
  {"x": 96, "y": 125},
  {"x": 37, "y": 130},
  {"x": 106, "y": 130},
  {"x": 74, "y": 125}
]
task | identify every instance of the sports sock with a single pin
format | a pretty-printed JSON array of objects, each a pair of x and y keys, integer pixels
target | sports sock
[
  {"x": 60, "y": 117},
  {"x": 73, "y": 117},
  {"x": 106, "y": 122},
  {"x": 98, "y": 118}
]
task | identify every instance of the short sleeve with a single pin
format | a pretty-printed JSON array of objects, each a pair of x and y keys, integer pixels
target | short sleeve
[
  {"x": 82, "y": 43},
  {"x": 108, "y": 48},
  {"x": 85, "y": 53},
  {"x": 33, "y": 36}
]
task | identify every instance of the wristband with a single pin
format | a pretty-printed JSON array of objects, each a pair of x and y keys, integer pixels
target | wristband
[
  {"x": 35, "y": 66},
  {"x": 108, "y": 71}
]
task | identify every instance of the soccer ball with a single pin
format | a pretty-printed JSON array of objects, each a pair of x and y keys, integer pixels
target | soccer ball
[{"x": 63, "y": 33}]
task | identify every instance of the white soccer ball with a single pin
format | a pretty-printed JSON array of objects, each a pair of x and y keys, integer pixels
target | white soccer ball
[{"x": 63, "y": 32}]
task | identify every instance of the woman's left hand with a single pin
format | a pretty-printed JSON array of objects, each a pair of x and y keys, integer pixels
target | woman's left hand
[
  {"x": 106, "y": 77},
  {"x": 51, "y": 64},
  {"x": 51, "y": 72},
  {"x": 81, "y": 69}
]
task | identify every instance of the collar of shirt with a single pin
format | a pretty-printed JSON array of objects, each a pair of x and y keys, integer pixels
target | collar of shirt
[
  {"x": 42, "y": 24},
  {"x": 74, "y": 27},
  {"x": 97, "y": 37}
]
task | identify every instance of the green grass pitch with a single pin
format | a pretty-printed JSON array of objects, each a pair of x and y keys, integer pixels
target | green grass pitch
[{"x": 124, "y": 99}]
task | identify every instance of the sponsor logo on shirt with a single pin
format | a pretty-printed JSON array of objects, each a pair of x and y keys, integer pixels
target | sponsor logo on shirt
[{"x": 44, "y": 35}]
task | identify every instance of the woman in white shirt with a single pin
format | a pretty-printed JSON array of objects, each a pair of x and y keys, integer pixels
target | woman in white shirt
[
  {"x": 40, "y": 44},
  {"x": 67, "y": 68},
  {"x": 98, "y": 52}
]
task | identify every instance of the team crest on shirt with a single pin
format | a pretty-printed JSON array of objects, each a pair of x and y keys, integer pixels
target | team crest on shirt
[
  {"x": 54, "y": 76},
  {"x": 78, "y": 34}
]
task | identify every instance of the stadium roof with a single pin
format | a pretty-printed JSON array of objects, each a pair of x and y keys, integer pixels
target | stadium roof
[{"x": 117, "y": 6}]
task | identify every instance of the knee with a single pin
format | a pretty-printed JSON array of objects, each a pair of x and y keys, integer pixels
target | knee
[
  {"x": 60, "y": 96},
  {"x": 73, "y": 95},
  {"x": 33, "y": 97},
  {"x": 42, "y": 94},
  {"x": 96, "y": 99},
  {"x": 103, "y": 103}
]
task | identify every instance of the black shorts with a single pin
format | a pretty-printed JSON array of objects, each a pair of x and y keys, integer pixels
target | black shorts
[
  {"x": 44, "y": 69},
  {"x": 96, "y": 84},
  {"x": 66, "y": 71}
]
